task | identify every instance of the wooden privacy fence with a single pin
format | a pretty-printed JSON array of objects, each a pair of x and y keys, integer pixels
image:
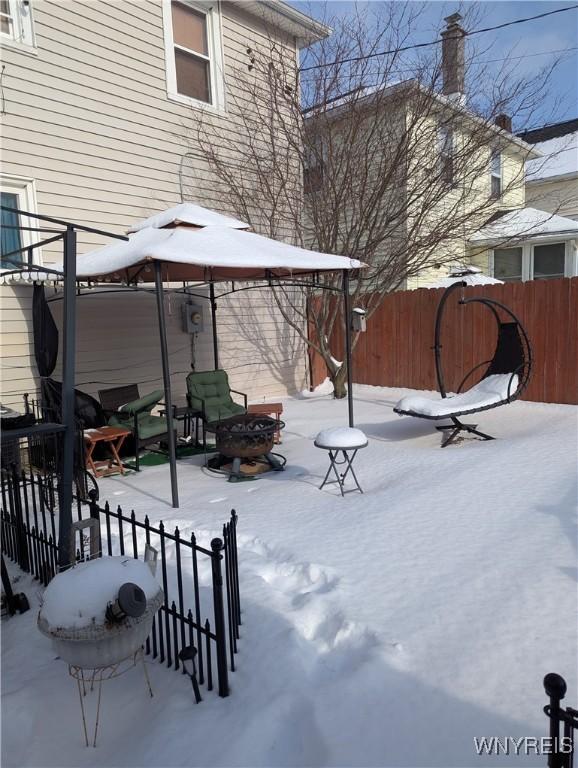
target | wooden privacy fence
[{"x": 396, "y": 350}]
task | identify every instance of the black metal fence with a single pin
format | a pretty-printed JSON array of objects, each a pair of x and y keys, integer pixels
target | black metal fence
[
  {"x": 201, "y": 584},
  {"x": 563, "y": 723}
]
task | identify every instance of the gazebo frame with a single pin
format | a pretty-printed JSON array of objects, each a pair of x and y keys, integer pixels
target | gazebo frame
[{"x": 68, "y": 275}]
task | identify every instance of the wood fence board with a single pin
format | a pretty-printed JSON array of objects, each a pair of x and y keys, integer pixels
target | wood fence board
[{"x": 396, "y": 350}]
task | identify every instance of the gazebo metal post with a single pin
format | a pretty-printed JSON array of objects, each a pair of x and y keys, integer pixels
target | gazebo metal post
[
  {"x": 68, "y": 365},
  {"x": 214, "y": 324},
  {"x": 347, "y": 321},
  {"x": 166, "y": 382}
]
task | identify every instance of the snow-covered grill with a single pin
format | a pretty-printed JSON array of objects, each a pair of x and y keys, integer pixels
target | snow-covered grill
[{"x": 74, "y": 612}]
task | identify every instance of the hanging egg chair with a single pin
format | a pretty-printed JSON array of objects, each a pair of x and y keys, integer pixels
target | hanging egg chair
[{"x": 504, "y": 379}]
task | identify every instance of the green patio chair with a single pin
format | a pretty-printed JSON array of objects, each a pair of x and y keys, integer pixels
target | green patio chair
[
  {"x": 209, "y": 393},
  {"x": 125, "y": 408}
]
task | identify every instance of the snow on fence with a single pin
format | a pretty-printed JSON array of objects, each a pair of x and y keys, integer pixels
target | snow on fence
[
  {"x": 396, "y": 350},
  {"x": 201, "y": 584}
]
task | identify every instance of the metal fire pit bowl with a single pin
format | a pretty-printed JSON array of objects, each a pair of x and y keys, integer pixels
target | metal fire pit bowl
[{"x": 246, "y": 438}]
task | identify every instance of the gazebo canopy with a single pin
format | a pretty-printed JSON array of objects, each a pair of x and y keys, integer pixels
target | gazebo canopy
[
  {"x": 204, "y": 254},
  {"x": 191, "y": 244},
  {"x": 188, "y": 213}
]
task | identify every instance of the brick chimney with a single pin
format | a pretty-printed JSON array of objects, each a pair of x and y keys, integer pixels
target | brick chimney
[
  {"x": 504, "y": 122},
  {"x": 453, "y": 60}
]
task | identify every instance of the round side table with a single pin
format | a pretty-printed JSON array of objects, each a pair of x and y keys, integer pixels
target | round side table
[{"x": 342, "y": 444}]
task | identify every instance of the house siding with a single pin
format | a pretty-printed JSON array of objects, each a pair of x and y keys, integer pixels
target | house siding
[
  {"x": 559, "y": 196},
  {"x": 513, "y": 198},
  {"x": 88, "y": 118}
]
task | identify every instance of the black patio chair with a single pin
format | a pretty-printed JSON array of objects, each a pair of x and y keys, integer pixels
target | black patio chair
[
  {"x": 125, "y": 408},
  {"x": 505, "y": 378}
]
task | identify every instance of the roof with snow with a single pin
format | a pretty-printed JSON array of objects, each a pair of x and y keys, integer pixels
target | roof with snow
[
  {"x": 523, "y": 224},
  {"x": 547, "y": 132},
  {"x": 294, "y": 22},
  {"x": 465, "y": 273},
  {"x": 560, "y": 159},
  {"x": 367, "y": 94}
]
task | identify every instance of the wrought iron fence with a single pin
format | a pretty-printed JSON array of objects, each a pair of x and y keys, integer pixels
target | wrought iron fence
[
  {"x": 563, "y": 723},
  {"x": 201, "y": 585}
]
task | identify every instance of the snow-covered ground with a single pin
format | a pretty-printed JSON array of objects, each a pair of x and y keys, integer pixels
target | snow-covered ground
[{"x": 383, "y": 629}]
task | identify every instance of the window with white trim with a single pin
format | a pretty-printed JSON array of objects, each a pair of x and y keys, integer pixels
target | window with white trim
[
  {"x": 508, "y": 264},
  {"x": 16, "y": 192},
  {"x": 193, "y": 52},
  {"x": 549, "y": 261},
  {"x": 496, "y": 174},
  {"x": 16, "y": 21},
  {"x": 544, "y": 261}
]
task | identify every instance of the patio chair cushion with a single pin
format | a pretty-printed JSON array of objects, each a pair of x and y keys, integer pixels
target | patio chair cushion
[
  {"x": 219, "y": 413},
  {"x": 210, "y": 390},
  {"x": 143, "y": 403},
  {"x": 148, "y": 426}
]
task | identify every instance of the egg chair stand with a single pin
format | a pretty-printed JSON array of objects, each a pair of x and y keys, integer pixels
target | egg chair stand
[
  {"x": 456, "y": 427},
  {"x": 504, "y": 379}
]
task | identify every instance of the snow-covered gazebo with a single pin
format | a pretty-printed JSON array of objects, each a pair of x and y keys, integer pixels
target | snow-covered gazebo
[{"x": 190, "y": 244}]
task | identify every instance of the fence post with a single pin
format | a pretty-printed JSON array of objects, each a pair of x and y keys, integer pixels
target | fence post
[
  {"x": 218, "y": 606},
  {"x": 22, "y": 547},
  {"x": 95, "y": 514},
  {"x": 555, "y": 688}
]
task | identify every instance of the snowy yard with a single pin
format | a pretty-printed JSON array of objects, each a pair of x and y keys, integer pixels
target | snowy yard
[{"x": 384, "y": 629}]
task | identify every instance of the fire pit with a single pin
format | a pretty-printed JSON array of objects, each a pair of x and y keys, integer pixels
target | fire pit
[{"x": 245, "y": 446}]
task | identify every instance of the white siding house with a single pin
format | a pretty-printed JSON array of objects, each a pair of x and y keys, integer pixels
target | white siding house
[{"x": 99, "y": 106}]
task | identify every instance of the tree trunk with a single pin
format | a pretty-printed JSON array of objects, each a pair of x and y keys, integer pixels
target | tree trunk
[{"x": 339, "y": 380}]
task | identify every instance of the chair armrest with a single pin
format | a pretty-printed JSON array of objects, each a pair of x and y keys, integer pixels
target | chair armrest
[
  {"x": 243, "y": 395},
  {"x": 144, "y": 404},
  {"x": 198, "y": 404}
]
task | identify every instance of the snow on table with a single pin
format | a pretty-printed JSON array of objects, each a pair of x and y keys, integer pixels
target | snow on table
[
  {"x": 341, "y": 437},
  {"x": 385, "y": 632},
  {"x": 78, "y": 597},
  {"x": 491, "y": 390}
]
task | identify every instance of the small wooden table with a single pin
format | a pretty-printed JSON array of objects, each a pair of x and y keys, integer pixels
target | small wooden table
[
  {"x": 113, "y": 437},
  {"x": 268, "y": 409}
]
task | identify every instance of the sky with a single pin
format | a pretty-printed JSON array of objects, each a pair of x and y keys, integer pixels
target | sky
[{"x": 534, "y": 44}]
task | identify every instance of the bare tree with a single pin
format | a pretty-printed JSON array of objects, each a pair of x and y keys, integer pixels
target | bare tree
[{"x": 362, "y": 155}]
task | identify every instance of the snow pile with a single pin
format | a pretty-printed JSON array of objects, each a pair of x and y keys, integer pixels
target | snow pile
[
  {"x": 321, "y": 390},
  {"x": 341, "y": 437},
  {"x": 78, "y": 597},
  {"x": 387, "y": 630},
  {"x": 488, "y": 391}
]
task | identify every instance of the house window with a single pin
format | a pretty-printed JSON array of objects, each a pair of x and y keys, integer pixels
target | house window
[
  {"x": 508, "y": 264},
  {"x": 446, "y": 144},
  {"x": 19, "y": 193},
  {"x": 192, "y": 35},
  {"x": 496, "y": 174},
  {"x": 549, "y": 261},
  {"x": 10, "y": 237},
  {"x": 16, "y": 21}
]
